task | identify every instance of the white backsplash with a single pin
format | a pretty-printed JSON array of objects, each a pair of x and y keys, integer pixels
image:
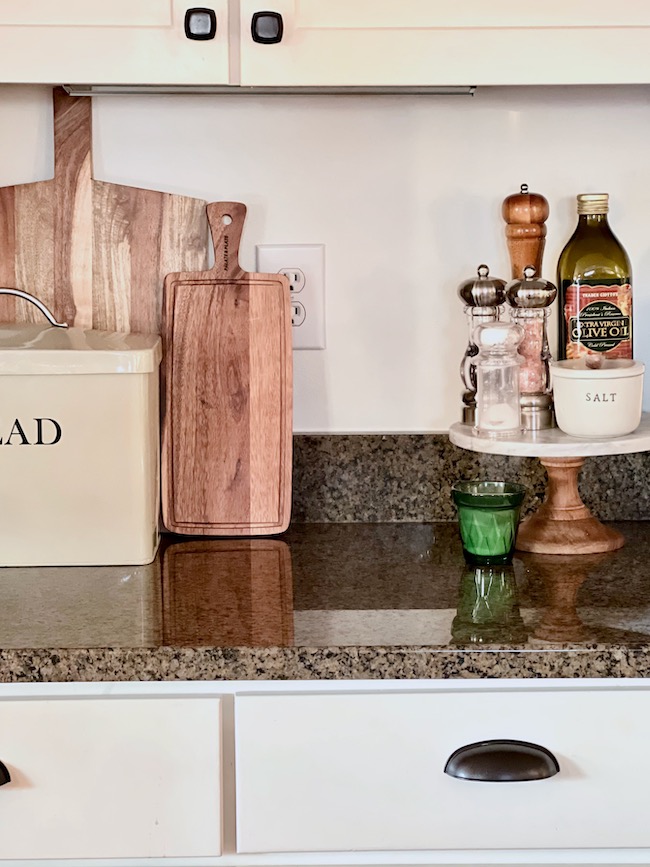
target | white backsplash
[{"x": 404, "y": 191}]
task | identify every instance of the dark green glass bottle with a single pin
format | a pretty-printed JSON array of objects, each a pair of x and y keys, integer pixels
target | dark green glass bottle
[{"x": 595, "y": 287}]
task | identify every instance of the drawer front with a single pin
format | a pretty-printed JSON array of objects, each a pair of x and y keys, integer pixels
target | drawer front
[
  {"x": 110, "y": 778},
  {"x": 365, "y": 771}
]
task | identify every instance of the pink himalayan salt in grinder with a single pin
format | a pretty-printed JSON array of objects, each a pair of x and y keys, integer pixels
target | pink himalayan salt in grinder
[{"x": 530, "y": 299}]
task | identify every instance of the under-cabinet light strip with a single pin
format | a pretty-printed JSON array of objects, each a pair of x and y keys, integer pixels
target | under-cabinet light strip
[{"x": 237, "y": 90}]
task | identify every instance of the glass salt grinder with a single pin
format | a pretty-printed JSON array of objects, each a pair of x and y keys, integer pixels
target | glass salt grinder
[
  {"x": 497, "y": 380},
  {"x": 530, "y": 300},
  {"x": 483, "y": 297}
]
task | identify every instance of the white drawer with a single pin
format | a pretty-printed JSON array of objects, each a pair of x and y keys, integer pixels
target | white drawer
[
  {"x": 110, "y": 778},
  {"x": 365, "y": 771}
]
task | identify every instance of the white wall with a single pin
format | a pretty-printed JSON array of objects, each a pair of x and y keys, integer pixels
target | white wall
[{"x": 404, "y": 191}]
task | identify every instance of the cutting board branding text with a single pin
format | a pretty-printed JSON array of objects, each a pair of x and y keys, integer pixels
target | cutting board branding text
[{"x": 45, "y": 432}]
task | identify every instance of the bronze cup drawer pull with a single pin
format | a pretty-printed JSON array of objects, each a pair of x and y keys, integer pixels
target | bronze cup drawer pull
[
  {"x": 502, "y": 761},
  {"x": 5, "y": 776}
]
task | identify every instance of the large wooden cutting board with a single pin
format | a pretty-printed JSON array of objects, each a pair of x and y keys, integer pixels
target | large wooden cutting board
[
  {"x": 95, "y": 253},
  {"x": 227, "y": 427}
]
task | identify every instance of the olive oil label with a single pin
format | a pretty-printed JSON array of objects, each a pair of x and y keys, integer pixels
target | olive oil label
[{"x": 599, "y": 319}]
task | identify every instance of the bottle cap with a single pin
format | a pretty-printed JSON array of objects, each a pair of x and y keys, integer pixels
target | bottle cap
[{"x": 593, "y": 203}]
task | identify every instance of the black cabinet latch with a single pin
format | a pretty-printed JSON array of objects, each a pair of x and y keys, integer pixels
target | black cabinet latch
[
  {"x": 267, "y": 27},
  {"x": 200, "y": 23}
]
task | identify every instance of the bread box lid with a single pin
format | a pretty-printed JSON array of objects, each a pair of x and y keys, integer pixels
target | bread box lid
[{"x": 43, "y": 349}]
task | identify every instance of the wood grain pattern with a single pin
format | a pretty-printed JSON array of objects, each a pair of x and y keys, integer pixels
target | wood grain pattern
[
  {"x": 95, "y": 253},
  {"x": 34, "y": 247},
  {"x": 227, "y": 426},
  {"x": 72, "y": 205},
  {"x": 7, "y": 251},
  {"x": 228, "y": 594},
  {"x": 525, "y": 215}
]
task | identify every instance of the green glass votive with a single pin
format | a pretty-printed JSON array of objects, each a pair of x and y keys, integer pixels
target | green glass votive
[{"x": 488, "y": 515}]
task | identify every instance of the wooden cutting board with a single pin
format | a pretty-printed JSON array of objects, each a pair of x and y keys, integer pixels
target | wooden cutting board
[
  {"x": 228, "y": 593},
  {"x": 227, "y": 427},
  {"x": 95, "y": 253}
]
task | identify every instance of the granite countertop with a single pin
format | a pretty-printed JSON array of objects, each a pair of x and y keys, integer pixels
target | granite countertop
[{"x": 330, "y": 601}]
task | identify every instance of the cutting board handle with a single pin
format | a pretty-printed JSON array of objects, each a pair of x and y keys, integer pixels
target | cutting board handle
[{"x": 226, "y": 224}]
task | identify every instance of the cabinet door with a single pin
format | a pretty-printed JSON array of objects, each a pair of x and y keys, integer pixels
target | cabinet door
[
  {"x": 448, "y": 42},
  {"x": 109, "y": 42},
  {"x": 111, "y": 778}
]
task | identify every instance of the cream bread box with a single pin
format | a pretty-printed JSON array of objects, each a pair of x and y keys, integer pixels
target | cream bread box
[{"x": 79, "y": 446}]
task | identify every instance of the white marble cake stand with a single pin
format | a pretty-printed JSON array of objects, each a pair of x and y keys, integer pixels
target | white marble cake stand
[{"x": 562, "y": 524}]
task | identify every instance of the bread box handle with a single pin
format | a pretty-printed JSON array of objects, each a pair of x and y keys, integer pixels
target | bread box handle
[{"x": 34, "y": 300}]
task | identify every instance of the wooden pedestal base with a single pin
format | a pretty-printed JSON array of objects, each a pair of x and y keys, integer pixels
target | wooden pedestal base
[{"x": 563, "y": 524}]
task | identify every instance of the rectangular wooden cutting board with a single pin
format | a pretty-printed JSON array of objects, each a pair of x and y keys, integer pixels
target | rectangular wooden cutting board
[
  {"x": 95, "y": 253},
  {"x": 227, "y": 426}
]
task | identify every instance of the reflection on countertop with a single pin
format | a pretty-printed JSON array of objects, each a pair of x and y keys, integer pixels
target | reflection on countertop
[{"x": 335, "y": 585}]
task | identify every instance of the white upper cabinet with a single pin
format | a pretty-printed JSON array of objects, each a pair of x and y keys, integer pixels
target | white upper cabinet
[
  {"x": 447, "y": 42},
  {"x": 113, "y": 42},
  {"x": 325, "y": 43}
]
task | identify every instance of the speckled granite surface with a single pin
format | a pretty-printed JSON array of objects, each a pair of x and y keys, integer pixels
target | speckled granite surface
[
  {"x": 330, "y": 663},
  {"x": 407, "y": 478},
  {"x": 331, "y": 601}
]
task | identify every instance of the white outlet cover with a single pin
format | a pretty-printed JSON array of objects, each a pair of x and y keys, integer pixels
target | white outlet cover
[{"x": 310, "y": 259}]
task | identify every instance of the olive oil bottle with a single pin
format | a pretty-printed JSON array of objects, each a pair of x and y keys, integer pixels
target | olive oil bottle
[{"x": 595, "y": 285}]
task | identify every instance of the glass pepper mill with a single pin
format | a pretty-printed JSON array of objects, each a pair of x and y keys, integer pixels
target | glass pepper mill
[
  {"x": 530, "y": 300},
  {"x": 483, "y": 297},
  {"x": 497, "y": 393}
]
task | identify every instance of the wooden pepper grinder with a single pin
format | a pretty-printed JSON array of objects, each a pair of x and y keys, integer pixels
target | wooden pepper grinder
[{"x": 525, "y": 214}]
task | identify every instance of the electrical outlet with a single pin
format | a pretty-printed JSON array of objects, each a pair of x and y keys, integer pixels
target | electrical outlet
[
  {"x": 304, "y": 267},
  {"x": 298, "y": 313},
  {"x": 296, "y": 279}
]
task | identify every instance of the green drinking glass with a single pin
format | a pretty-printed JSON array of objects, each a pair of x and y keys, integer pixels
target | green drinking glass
[{"x": 488, "y": 515}]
